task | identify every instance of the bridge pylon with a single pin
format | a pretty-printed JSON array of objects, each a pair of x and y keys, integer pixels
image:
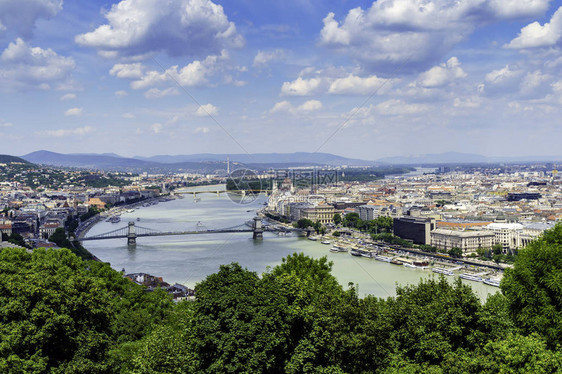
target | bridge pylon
[
  {"x": 131, "y": 234},
  {"x": 257, "y": 228}
]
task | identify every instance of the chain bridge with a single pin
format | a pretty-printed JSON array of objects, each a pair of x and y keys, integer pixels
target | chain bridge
[{"x": 131, "y": 232}]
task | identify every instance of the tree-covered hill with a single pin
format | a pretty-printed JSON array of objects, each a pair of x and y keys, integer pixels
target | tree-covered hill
[
  {"x": 7, "y": 159},
  {"x": 60, "y": 314}
]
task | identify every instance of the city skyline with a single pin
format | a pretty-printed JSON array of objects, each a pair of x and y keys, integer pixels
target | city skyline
[{"x": 364, "y": 80}]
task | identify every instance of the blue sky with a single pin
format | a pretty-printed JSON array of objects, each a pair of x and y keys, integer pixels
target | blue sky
[{"x": 357, "y": 78}]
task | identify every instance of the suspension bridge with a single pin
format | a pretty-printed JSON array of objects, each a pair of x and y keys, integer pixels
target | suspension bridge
[{"x": 131, "y": 232}]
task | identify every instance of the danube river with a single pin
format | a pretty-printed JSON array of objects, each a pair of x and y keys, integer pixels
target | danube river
[{"x": 189, "y": 259}]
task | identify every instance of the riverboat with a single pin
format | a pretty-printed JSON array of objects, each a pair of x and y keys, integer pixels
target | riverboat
[
  {"x": 492, "y": 282},
  {"x": 471, "y": 277},
  {"x": 338, "y": 249},
  {"x": 442, "y": 271},
  {"x": 313, "y": 238},
  {"x": 396, "y": 262},
  {"x": 355, "y": 252},
  {"x": 327, "y": 242},
  {"x": 383, "y": 258},
  {"x": 115, "y": 219}
]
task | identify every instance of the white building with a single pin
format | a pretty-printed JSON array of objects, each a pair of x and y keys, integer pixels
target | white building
[
  {"x": 468, "y": 241},
  {"x": 507, "y": 234}
]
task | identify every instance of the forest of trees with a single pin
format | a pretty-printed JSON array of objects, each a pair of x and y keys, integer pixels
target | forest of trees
[{"x": 61, "y": 314}]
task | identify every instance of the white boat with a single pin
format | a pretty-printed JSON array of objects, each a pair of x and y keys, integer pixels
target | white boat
[
  {"x": 115, "y": 219},
  {"x": 442, "y": 271},
  {"x": 338, "y": 248},
  {"x": 313, "y": 238},
  {"x": 327, "y": 242},
  {"x": 492, "y": 282},
  {"x": 471, "y": 277},
  {"x": 383, "y": 258},
  {"x": 130, "y": 211}
]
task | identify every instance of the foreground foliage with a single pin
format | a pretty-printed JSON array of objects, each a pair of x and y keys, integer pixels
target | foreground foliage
[{"x": 63, "y": 315}]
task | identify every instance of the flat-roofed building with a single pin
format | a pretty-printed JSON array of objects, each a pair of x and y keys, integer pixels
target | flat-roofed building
[
  {"x": 468, "y": 241},
  {"x": 416, "y": 229}
]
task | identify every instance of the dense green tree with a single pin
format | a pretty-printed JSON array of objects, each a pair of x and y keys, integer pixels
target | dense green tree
[
  {"x": 352, "y": 220},
  {"x": 61, "y": 314},
  {"x": 455, "y": 252},
  {"x": 337, "y": 218},
  {"x": 533, "y": 287}
]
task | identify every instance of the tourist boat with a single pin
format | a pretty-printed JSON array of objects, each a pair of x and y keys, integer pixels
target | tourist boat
[
  {"x": 327, "y": 242},
  {"x": 355, "y": 252},
  {"x": 313, "y": 238},
  {"x": 115, "y": 219},
  {"x": 367, "y": 254},
  {"x": 492, "y": 282},
  {"x": 471, "y": 277},
  {"x": 383, "y": 258},
  {"x": 338, "y": 248},
  {"x": 396, "y": 262},
  {"x": 442, "y": 271},
  {"x": 130, "y": 211}
]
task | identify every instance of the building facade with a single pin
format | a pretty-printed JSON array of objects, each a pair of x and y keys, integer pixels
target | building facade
[{"x": 468, "y": 241}]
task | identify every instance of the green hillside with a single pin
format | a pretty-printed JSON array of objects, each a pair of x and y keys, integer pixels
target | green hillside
[{"x": 7, "y": 159}]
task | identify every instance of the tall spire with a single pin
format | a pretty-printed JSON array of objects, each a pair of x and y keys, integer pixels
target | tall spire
[{"x": 227, "y": 165}]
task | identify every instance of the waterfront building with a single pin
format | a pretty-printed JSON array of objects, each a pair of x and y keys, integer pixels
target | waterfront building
[
  {"x": 416, "y": 229},
  {"x": 507, "y": 234},
  {"x": 322, "y": 212},
  {"x": 468, "y": 241}
]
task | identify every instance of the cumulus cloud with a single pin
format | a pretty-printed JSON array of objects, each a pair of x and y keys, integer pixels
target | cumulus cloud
[
  {"x": 26, "y": 67},
  {"x": 441, "y": 75},
  {"x": 264, "y": 57},
  {"x": 121, "y": 93},
  {"x": 68, "y": 96},
  {"x": 335, "y": 81},
  {"x": 193, "y": 74},
  {"x": 534, "y": 35},
  {"x": 155, "y": 93},
  {"x": 202, "y": 130},
  {"x": 413, "y": 34},
  {"x": 389, "y": 108},
  {"x": 5, "y": 124},
  {"x": 67, "y": 132},
  {"x": 286, "y": 107},
  {"x": 127, "y": 70},
  {"x": 179, "y": 28},
  {"x": 354, "y": 85},
  {"x": 19, "y": 16},
  {"x": 128, "y": 115},
  {"x": 207, "y": 109},
  {"x": 73, "y": 112}
]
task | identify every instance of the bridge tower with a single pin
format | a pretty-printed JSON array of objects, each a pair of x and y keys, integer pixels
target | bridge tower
[
  {"x": 131, "y": 234},
  {"x": 257, "y": 228}
]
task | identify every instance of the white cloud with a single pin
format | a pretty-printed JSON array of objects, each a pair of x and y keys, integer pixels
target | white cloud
[
  {"x": 156, "y": 128},
  {"x": 301, "y": 87},
  {"x": 121, "y": 93},
  {"x": 193, "y": 74},
  {"x": 134, "y": 70},
  {"x": 310, "y": 106},
  {"x": 6, "y": 124},
  {"x": 413, "y": 34},
  {"x": 179, "y": 28},
  {"x": 68, "y": 96},
  {"x": 74, "y": 112},
  {"x": 286, "y": 107},
  {"x": 355, "y": 85},
  {"x": 155, "y": 93},
  {"x": 19, "y": 16},
  {"x": 207, "y": 109},
  {"x": 534, "y": 35},
  {"x": 67, "y": 132},
  {"x": 25, "y": 67},
  {"x": 128, "y": 115},
  {"x": 441, "y": 75},
  {"x": 533, "y": 80},
  {"x": 264, "y": 57}
]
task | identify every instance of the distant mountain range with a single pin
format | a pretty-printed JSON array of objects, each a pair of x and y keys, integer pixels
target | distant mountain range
[
  {"x": 197, "y": 162},
  {"x": 208, "y": 163}
]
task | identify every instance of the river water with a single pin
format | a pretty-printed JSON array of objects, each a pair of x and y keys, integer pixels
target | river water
[{"x": 189, "y": 259}]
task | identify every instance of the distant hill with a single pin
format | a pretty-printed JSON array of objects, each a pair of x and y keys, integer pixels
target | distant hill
[
  {"x": 297, "y": 158},
  {"x": 88, "y": 161},
  {"x": 7, "y": 159},
  {"x": 436, "y": 158}
]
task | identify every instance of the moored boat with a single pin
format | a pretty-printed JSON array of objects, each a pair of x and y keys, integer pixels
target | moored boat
[
  {"x": 327, "y": 242},
  {"x": 492, "y": 282},
  {"x": 338, "y": 248},
  {"x": 396, "y": 262},
  {"x": 383, "y": 258},
  {"x": 471, "y": 277},
  {"x": 115, "y": 219},
  {"x": 442, "y": 271}
]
